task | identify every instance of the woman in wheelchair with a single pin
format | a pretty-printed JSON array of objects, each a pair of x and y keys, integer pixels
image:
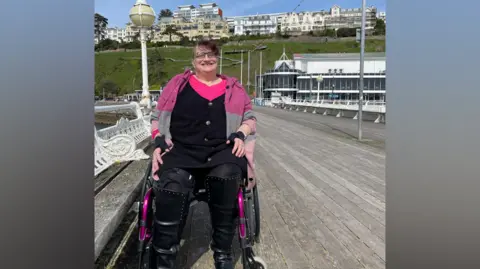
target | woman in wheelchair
[{"x": 203, "y": 127}]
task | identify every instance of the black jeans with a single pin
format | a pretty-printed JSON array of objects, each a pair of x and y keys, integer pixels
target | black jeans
[{"x": 173, "y": 193}]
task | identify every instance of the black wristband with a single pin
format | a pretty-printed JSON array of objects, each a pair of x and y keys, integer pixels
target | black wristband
[
  {"x": 161, "y": 143},
  {"x": 240, "y": 135}
]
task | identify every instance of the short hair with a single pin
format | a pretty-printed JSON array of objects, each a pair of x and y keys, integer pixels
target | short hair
[{"x": 208, "y": 43}]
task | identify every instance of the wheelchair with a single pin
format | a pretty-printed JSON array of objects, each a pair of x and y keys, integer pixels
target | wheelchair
[{"x": 248, "y": 221}]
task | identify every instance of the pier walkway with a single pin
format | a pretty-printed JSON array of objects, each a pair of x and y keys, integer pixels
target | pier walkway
[{"x": 322, "y": 196}]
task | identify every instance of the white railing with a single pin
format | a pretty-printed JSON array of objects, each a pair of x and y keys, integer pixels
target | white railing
[
  {"x": 119, "y": 143},
  {"x": 328, "y": 106},
  {"x": 351, "y": 105}
]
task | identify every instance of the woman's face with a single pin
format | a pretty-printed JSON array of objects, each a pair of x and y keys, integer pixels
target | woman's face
[{"x": 205, "y": 60}]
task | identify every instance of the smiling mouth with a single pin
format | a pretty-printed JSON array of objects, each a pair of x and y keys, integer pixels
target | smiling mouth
[{"x": 207, "y": 63}]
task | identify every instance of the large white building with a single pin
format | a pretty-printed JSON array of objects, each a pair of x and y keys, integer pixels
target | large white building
[
  {"x": 255, "y": 24},
  {"x": 261, "y": 25},
  {"x": 382, "y": 15},
  {"x": 117, "y": 34},
  {"x": 302, "y": 22},
  {"x": 337, "y": 17},
  {"x": 190, "y": 12},
  {"x": 340, "y": 73}
]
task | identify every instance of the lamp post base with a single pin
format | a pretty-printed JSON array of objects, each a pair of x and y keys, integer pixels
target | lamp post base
[{"x": 146, "y": 102}]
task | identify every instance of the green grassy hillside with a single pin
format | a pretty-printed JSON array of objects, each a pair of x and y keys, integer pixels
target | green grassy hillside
[{"x": 124, "y": 68}]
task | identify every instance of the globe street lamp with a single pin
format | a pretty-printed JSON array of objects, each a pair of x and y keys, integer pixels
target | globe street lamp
[{"x": 142, "y": 16}]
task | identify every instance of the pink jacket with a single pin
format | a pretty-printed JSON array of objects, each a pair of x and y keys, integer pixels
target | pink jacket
[{"x": 238, "y": 109}]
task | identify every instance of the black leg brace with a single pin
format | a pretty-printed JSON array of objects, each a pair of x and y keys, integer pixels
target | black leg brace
[
  {"x": 172, "y": 196},
  {"x": 222, "y": 184}
]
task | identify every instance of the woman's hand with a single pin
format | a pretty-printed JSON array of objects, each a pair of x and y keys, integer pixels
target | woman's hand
[
  {"x": 251, "y": 183},
  {"x": 161, "y": 148},
  {"x": 238, "y": 147},
  {"x": 156, "y": 161}
]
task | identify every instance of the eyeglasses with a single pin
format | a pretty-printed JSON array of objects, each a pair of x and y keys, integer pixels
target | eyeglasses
[{"x": 208, "y": 54}]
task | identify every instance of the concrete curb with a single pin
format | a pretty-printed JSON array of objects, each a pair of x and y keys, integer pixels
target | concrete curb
[{"x": 114, "y": 202}]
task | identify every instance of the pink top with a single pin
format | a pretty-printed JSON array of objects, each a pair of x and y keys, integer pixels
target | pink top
[{"x": 208, "y": 92}]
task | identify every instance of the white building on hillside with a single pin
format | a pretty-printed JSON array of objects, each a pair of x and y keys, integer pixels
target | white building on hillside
[
  {"x": 117, "y": 34},
  {"x": 260, "y": 23},
  {"x": 302, "y": 22},
  {"x": 383, "y": 16},
  {"x": 184, "y": 11},
  {"x": 298, "y": 22},
  {"x": 132, "y": 33},
  {"x": 190, "y": 12},
  {"x": 253, "y": 25}
]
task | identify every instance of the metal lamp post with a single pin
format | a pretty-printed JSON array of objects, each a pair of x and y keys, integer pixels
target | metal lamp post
[
  {"x": 319, "y": 79},
  {"x": 142, "y": 16},
  {"x": 360, "y": 92},
  {"x": 241, "y": 68}
]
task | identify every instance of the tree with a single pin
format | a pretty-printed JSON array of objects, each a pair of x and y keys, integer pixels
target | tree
[
  {"x": 346, "y": 32},
  {"x": 328, "y": 32},
  {"x": 107, "y": 44},
  {"x": 278, "y": 32},
  {"x": 156, "y": 65},
  {"x": 100, "y": 24},
  {"x": 379, "y": 27},
  {"x": 170, "y": 30},
  {"x": 165, "y": 13},
  {"x": 111, "y": 89},
  {"x": 184, "y": 41}
]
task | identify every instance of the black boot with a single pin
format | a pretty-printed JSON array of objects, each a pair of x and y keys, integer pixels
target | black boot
[
  {"x": 171, "y": 208},
  {"x": 165, "y": 259},
  {"x": 223, "y": 259},
  {"x": 223, "y": 210}
]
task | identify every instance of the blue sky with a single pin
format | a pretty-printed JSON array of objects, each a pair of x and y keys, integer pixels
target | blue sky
[{"x": 117, "y": 10}]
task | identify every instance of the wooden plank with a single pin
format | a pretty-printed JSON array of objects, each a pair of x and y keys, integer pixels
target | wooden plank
[
  {"x": 339, "y": 241},
  {"x": 319, "y": 244},
  {"x": 353, "y": 216},
  {"x": 338, "y": 183},
  {"x": 372, "y": 166},
  {"x": 375, "y": 133},
  {"x": 332, "y": 183},
  {"x": 287, "y": 243},
  {"x": 344, "y": 215},
  {"x": 327, "y": 178},
  {"x": 352, "y": 184},
  {"x": 268, "y": 248}
]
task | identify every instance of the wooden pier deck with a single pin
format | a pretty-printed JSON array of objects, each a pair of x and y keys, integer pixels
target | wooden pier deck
[{"x": 322, "y": 196}]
